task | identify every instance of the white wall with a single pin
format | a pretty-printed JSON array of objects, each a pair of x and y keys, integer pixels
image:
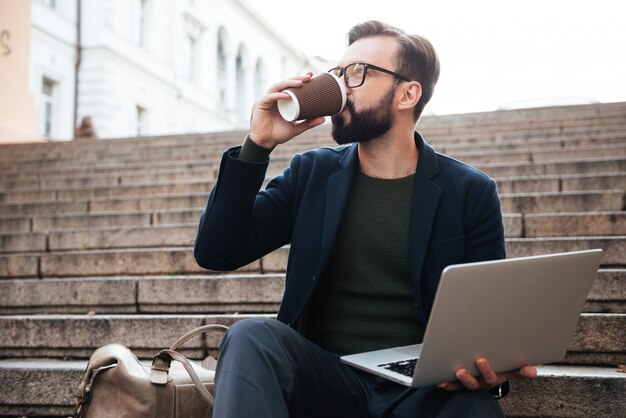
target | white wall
[
  {"x": 119, "y": 73},
  {"x": 53, "y": 55}
]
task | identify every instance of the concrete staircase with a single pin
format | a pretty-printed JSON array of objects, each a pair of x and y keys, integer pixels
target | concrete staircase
[{"x": 96, "y": 247}]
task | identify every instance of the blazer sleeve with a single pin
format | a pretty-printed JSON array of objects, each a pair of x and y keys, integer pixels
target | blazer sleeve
[
  {"x": 241, "y": 224},
  {"x": 485, "y": 232}
]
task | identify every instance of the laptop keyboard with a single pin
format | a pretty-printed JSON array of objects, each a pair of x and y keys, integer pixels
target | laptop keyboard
[{"x": 405, "y": 367}]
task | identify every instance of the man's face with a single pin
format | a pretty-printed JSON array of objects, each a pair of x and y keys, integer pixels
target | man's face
[
  {"x": 367, "y": 124},
  {"x": 369, "y": 111}
]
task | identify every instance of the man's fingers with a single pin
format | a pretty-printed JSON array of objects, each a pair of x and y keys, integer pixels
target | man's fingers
[
  {"x": 467, "y": 380},
  {"x": 526, "y": 372},
  {"x": 267, "y": 102},
  {"x": 529, "y": 372},
  {"x": 292, "y": 82},
  {"x": 488, "y": 374}
]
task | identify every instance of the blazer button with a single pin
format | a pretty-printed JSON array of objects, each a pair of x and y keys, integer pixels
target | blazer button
[{"x": 314, "y": 277}]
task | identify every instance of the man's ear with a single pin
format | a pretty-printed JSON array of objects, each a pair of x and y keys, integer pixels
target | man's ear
[{"x": 411, "y": 94}]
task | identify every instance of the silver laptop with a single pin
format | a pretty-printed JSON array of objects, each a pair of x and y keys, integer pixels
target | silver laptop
[{"x": 515, "y": 312}]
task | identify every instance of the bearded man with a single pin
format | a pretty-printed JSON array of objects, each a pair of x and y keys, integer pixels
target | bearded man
[{"x": 371, "y": 224}]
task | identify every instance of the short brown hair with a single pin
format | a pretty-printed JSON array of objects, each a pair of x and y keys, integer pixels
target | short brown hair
[{"x": 418, "y": 59}]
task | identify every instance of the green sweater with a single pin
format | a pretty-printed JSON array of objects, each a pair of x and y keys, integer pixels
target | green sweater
[{"x": 364, "y": 300}]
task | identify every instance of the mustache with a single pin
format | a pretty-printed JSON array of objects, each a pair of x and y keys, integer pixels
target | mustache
[{"x": 338, "y": 120}]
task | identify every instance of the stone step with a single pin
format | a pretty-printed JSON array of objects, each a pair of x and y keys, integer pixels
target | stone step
[
  {"x": 609, "y": 200},
  {"x": 581, "y": 166},
  {"x": 568, "y": 391},
  {"x": 23, "y": 242},
  {"x": 114, "y": 191},
  {"x": 19, "y": 265},
  {"x": 144, "y": 236},
  {"x": 175, "y": 181},
  {"x": 491, "y": 129},
  {"x": 281, "y": 161},
  {"x": 183, "y": 147},
  {"x": 501, "y": 137},
  {"x": 614, "y": 249},
  {"x": 560, "y": 167},
  {"x": 220, "y": 293},
  {"x": 574, "y": 224},
  {"x": 598, "y": 181},
  {"x": 561, "y": 132},
  {"x": 109, "y": 238},
  {"x": 289, "y": 149},
  {"x": 77, "y": 336},
  {"x": 189, "y": 182},
  {"x": 558, "y": 391},
  {"x": 223, "y": 293},
  {"x": 188, "y": 170},
  {"x": 41, "y": 223},
  {"x": 550, "y": 154},
  {"x": 529, "y": 141},
  {"x": 166, "y": 176},
  {"x": 170, "y": 234},
  {"x": 13, "y": 151},
  {"x": 100, "y": 205},
  {"x": 578, "y": 201},
  {"x": 147, "y": 261},
  {"x": 600, "y": 339},
  {"x": 506, "y": 121},
  {"x": 109, "y": 170},
  {"x": 481, "y": 152},
  {"x": 150, "y": 261}
]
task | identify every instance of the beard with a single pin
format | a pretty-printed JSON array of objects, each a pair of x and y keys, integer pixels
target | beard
[{"x": 365, "y": 125}]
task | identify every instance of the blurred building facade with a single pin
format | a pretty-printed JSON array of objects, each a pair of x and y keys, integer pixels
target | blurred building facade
[{"x": 152, "y": 67}]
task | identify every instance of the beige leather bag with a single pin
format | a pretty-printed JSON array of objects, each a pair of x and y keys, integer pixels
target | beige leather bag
[{"x": 116, "y": 384}]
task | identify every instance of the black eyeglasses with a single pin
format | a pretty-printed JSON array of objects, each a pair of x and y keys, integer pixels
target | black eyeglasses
[{"x": 354, "y": 74}]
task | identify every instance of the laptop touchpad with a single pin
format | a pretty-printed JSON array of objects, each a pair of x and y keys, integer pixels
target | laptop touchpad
[{"x": 409, "y": 351}]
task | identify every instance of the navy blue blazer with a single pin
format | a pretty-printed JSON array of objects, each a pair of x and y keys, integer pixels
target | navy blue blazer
[{"x": 455, "y": 209}]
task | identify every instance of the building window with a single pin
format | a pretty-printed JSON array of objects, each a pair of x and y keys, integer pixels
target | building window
[
  {"x": 259, "y": 79},
  {"x": 140, "y": 120},
  {"x": 241, "y": 81},
  {"x": 221, "y": 65},
  {"x": 49, "y": 93},
  {"x": 192, "y": 50},
  {"x": 140, "y": 23}
]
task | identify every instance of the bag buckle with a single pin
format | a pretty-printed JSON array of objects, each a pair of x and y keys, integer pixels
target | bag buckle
[{"x": 159, "y": 372}]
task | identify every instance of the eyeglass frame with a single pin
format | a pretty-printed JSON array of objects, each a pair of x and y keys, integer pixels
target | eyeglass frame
[{"x": 342, "y": 72}]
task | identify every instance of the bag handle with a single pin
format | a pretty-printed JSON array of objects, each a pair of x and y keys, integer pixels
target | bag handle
[
  {"x": 161, "y": 363},
  {"x": 197, "y": 331}
]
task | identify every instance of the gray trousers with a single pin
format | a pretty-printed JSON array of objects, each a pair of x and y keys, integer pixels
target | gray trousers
[{"x": 267, "y": 369}]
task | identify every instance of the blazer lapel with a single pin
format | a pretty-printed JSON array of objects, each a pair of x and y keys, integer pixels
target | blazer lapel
[
  {"x": 336, "y": 197},
  {"x": 426, "y": 195}
]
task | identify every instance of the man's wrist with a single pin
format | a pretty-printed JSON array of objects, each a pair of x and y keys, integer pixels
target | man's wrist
[
  {"x": 252, "y": 152},
  {"x": 260, "y": 142}
]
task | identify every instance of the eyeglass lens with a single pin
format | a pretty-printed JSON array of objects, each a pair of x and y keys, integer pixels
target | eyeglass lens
[{"x": 354, "y": 75}]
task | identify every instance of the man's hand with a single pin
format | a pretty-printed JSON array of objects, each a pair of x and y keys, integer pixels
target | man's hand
[
  {"x": 488, "y": 378},
  {"x": 267, "y": 127}
]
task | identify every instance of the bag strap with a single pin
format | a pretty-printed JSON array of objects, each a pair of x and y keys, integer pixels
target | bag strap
[
  {"x": 197, "y": 331},
  {"x": 175, "y": 355},
  {"x": 161, "y": 363}
]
